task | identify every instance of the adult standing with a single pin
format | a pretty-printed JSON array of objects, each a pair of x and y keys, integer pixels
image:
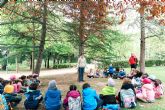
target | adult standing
[
  {"x": 133, "y": 61},
  {"x": 81, "y": 68}
]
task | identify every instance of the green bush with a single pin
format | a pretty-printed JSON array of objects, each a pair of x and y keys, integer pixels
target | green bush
[
  {"x": 148, "y": 63},
  {"x": 64, "y": 65},
  {"x": 151, "y": 63}
]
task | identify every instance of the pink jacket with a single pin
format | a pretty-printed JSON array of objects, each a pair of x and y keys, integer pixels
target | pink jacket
[
  {"x": 148, "y": 92},
  {"x": 73, "y": 94},
  {"x": 17, "y": 87}
]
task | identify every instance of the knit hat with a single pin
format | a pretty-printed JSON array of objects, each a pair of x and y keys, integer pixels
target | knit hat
[
  {"x": 52, "y": 84},
  {"x": 146, "y": 81},
  {"x": 9, "y": 89},
  {"x": 152, "y": 77},
  {"x": 111, "y": 82},
  {"x": 13, "y": 77}
]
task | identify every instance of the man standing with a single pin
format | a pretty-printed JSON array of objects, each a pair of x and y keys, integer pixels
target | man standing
[
  {"x": 81, "y": 68},
  {"x": 133, "y": 61}
]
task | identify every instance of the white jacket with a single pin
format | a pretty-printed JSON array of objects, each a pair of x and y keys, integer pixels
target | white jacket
[{"x": 81, "y": 62}]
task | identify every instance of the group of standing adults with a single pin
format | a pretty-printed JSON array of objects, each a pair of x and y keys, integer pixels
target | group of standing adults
[{"x": 82, "y": 64}]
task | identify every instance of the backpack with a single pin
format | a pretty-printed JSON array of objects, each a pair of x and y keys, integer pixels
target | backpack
[
  {"x": 127, "y": 97},
  {"x": 31, "y": 102},
  {"x": 74, "y": 103},
  {"x": 3, "y": 103},
  {"x": 136, "y": 82},
  {"x": 111, "y": 107}
]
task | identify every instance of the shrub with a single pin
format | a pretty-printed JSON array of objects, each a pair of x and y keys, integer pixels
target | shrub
[
  {"x": 63, "y": 65},
  {"x": 125, "y": 64}
]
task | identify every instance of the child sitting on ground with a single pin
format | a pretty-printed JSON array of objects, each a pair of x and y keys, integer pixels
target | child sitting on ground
[
  {"x": 35, "y": 78},
  {"x": 17, "y": 86},
  {"x": 132, "y": 74},
  {"x": 116, "y": 73},
  {"x": 91, "y": 74},
  {"x": 158, "y": 88},
  {"x": 147, "y": 93},
  {"x": 97, "y": 74},
  {"x": 23, "y": 80},
  {"x": 91, "y": 100},
  {"x": 126, "y": 96},
  {"x": 111, "y": 70},
  {"x": 29, "y": 80},
  {"x": 74, "y": 98},
  {"x": 11, "y": 98},
  {"x": 108, "y": 96},
  {"x": 121, "y": 74},
  {"x": 105, "y": 73},
  {"x": 136, "y": 80},
  {"x": 33, "y": 97},
  {"x": 108, "y": 93},
  {"x": 52, "y": 97}
]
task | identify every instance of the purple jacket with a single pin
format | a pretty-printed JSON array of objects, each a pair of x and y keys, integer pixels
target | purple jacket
[{"x": 73, "y": 94}]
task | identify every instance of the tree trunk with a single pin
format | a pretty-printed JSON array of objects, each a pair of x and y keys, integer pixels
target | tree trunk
[
  {"x": 142, "y": 43},
  {"x": 54, "y": 60},
  {"x": 81, "y": 31},
  {"x": 49, "y": 55},
  {"x": 45, "y": 62},
  {"x": 31, "y": 62},
  {"x": 42, "y": 42}
]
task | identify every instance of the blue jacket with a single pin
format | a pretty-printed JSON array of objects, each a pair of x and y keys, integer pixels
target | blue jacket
[
  {"x": 90, "y": 99},
  {"x": 111, "y": 69},
  {"x": 32, "y": 99},
  {"x": 53, "y": 99},
  {"x": 121, "y": 73}
]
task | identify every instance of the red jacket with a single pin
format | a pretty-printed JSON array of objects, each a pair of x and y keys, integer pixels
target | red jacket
[{"x": 132, "y": 60}]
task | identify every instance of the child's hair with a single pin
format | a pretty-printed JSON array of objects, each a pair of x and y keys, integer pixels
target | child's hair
[
  {"x": 16, "y": 81},
  {"x": 126, "y": 81},
  {"x": 5, "y": 82},
  {"x": 33, "y": 86},
  {"x": 1, "y": 80},
  {"x": 72, "y": 87},
  {"x": 86, "y": 85},
  {"x": 30, "y": 76},
  {"x": 23, "y": 77},
  {"x": 34, "y": 75},
  {"x": 157, "y": 82},
  {"x": 139, "y": 74},
  {"x": 145, "y": 75}
]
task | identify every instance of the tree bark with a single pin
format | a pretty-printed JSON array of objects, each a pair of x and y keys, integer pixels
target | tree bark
[
  {"x": 54, "y": 60},
  {"x": 81, "y": 31},
  {"x": 142, "y": 43},
  {"x": 45, "y": 62},
  {"x": 31, "y": 62},
  {"x": 49, "y": 55},
  {"x": 42, "y": 42}
]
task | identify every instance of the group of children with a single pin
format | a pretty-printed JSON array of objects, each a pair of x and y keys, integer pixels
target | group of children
[
  {"x": 135, "y": 86},
  {"x": 11, "y": 91},
  {"x": 110, "y": 72}
]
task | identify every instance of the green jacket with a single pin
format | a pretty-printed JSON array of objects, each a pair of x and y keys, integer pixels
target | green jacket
[{"x": 108, "y": 90}]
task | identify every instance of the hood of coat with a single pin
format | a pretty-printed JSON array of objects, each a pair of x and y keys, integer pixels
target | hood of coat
[{"x": 74, "y": 94}]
